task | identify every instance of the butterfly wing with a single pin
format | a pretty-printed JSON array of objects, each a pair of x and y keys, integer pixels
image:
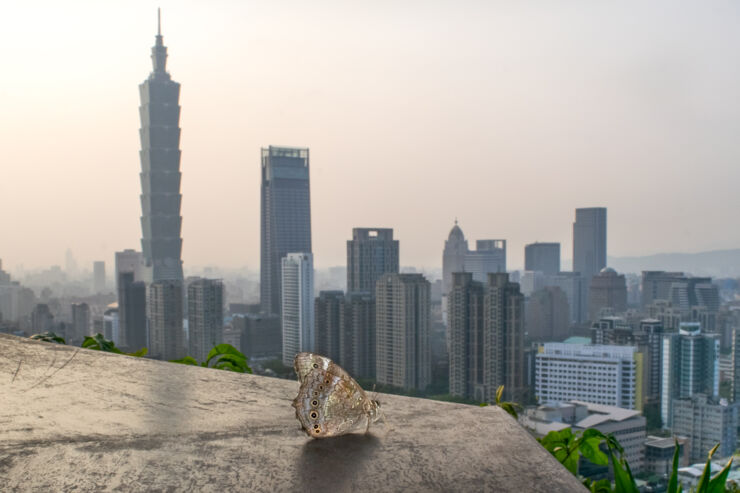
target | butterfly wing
[
  {"x": 305, "y": 363},
  {"x": 330, "y": 404}
]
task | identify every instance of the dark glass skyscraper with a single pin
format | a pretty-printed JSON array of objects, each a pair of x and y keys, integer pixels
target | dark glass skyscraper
[
  {"x": 161, "y": 242},
  {"x": 286, "y": 217}
]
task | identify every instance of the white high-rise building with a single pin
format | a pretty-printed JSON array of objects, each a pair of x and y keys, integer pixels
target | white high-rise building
[
  {"x": 608, "y": 375},
  {"x": 297, "y": 305}
]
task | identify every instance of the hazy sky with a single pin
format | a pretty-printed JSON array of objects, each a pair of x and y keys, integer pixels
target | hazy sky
[{"x": 507, "y": 115}]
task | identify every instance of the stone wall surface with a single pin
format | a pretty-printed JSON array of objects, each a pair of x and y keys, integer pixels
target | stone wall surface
[{"x": 73, "y": 419}]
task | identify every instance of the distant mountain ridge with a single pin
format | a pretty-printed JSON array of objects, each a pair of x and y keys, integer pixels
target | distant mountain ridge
[{"x": 716, "y": 263}]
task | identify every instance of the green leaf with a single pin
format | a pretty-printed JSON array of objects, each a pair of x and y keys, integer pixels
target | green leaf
[
  {"x": 49, "y": 337},
  {"x": 624, "y": 482},
  {"x": 509, "y": 408},
  {"x": 673, "y": 486},
  {"x": 717, "y": 483},
  {"x": 600, "y": 486},
  {"x": 703, "y": 484},
  {"x": 187, "y": 360},
  {"x": 590, "y": 450},
  {"x": 223, "y": 349},
  {"x": 499, "y": 393}
]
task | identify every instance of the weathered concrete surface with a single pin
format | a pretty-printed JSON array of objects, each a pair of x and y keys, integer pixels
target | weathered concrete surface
[{"x": 79, "y": 420}]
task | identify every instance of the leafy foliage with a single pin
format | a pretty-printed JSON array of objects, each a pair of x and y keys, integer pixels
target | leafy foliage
[
  {"x": 49, "y": 337},
  {"x": 567, "y": 447},
  {"x": 221, "y": 357},
  {"x": 100, "y": 343}
]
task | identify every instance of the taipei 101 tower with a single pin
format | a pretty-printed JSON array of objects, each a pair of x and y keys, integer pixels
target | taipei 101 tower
[{"x": 161, "y": 242}]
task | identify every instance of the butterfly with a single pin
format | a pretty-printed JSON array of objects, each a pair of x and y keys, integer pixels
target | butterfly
[{"x": 329, "y": 402}]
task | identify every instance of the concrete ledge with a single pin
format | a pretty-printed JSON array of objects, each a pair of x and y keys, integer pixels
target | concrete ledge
[{"x": 75, "y": 419}]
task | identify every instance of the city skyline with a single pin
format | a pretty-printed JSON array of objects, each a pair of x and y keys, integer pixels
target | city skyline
[{"x": 83, "y": 96}]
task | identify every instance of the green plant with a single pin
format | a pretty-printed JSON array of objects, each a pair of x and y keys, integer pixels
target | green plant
[
  {"x": 49, "y": 337},
  {"x": 568, "y": 447},
  {"x": 100, "y": 343},
  {"x": 221, "y": 357}
]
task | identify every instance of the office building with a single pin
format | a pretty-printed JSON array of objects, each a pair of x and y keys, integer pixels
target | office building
[
  {"x": 205, "y": 316},
  {"x": 80, "y": 326},
  {"x": 542, "y": 257},
  {"x": 547, "y": 315},
  {"x": 736, "y": 364},
  {"x": 612, "y": 330},
  {"x": 572, "y": 285},
  {"x": 285, "y": 218},
  {"x": 129, "y": 261},
  {"x": 589, "y": 246},
  {"x": 98, "y": 277},
  {"x": 609, "y": 375},
  {"x": 488, "y": 257},
  {"x": 357, "y": 338},
  {"x": 649, "y": 339},
  {"x": 656, "y": 285},
  {"x": 403, "y": 357},
  {"x": 486, "y": 330},
  {"x": 531, "y": 281},
  {"x": 370, "y": 254},
  {"x": 132, "y": 320},
  {"x": 327, "y": 311},
  {"x": 165, "y": 311},
  {"x": 690, "y": 361},
  {"x": 297, "y": 305},
  {"x": 161, "y": 222},
  {"x": 659, "y": 453},
  {"x": 608, "y": 291},
  {"x": 41, "y": 319},
  {"x": 260, "y": 335},
  {"x": 453, "y": 257},
  {"x": 706, "y": 422}
]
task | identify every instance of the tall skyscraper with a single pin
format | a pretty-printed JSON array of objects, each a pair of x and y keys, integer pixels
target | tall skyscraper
[
  {"x": 357, "y": 343},
  {"x": 465, "y": 331},
  {"x": 131, "y": 262},
  {"x": 589, "y": 247},
  {"x": 403, "y": 351},
  {"x": 132, "y": 312},
  {"x": 328, "y": 324},
  {"x": 486, "y": 325},
  {"x": 543, "y": 257},
  {"x": 165, "y": 309},
  {"x": 161, "y": 222},
  {"x": 285, "y": 217},
  {"x": 297, "y": 305},
  {"x": 98, "y": 276},
  {"x": 370, "y": 254},
  {"x": 504, "y": 320},
  {"x": 453, "y": 257},
  {"x": 690, "y": 363},
  {"x": 205, "y": 316}
]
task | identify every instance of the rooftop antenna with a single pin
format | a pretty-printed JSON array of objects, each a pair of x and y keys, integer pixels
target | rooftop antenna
[{"x": 159, "y": 21}]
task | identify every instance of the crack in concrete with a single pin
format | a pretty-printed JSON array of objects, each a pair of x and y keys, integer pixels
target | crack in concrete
[
  {"x": 16, "y": 371},
  {"x": 55, "y": 372}
]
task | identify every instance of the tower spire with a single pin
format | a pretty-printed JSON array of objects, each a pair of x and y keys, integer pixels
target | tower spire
[{"x": 159, "y": 51}]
